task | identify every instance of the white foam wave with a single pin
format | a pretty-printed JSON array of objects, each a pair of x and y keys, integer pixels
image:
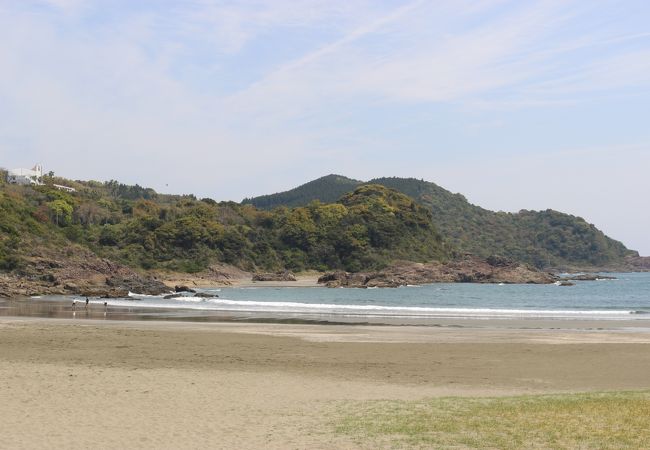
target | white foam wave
[
  {"x": 136, "y": 295},
  {"x": 187, "y": 299},
  {"x": 371, "y": 310}
]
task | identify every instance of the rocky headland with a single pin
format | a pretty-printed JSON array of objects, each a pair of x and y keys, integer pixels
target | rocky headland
[
  {"x": 468, "y": 269},
  {"x": 77, "y": 271},
  {"x": 638, "y": 263}
]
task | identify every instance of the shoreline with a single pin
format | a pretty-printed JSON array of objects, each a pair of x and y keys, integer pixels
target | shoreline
[
  {"x": 95, "y": 283},
  {"x": 128, "y": 310}
]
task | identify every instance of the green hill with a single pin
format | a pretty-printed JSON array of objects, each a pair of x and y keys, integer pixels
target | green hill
[
  {"x": 367, "y": 229},
  {"x": 368, "y": 226},
  {"x": 327, "y": 189},
  {"x": 544, "y": 239}
]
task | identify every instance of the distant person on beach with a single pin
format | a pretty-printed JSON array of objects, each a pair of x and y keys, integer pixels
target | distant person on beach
[
  {"x": 74, "y": 305},
  {"x": 87, "y": 302}
]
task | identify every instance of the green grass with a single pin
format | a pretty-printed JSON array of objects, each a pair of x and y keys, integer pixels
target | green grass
[{"x": 618, "y": 420}]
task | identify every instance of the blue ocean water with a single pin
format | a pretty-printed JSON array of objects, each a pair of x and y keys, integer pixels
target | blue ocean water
[{"x": 626, "y": 297}]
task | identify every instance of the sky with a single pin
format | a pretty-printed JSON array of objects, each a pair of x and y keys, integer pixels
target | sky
[{"x": 515, "y": 104}]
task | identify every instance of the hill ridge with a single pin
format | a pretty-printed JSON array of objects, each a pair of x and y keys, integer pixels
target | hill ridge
[
  {"x": 329, "y": 187},
  {"x": 546, "y": 238}
]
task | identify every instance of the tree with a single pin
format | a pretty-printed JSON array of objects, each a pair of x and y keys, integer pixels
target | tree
[{"x": 61, "y": 211}]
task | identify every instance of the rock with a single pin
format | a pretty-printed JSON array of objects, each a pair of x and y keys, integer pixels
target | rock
[
  {"x": 184, "y": 289},
  {"x": 48, "y": 277},
  {"x": 71, "y": 287},
  {"x": 468, "y": 269},
  {"x": 337, "y": 279},
  {"x": 80, "y": 272},
  {"x": 138, "y": 284},
  {"x": 331, "y": 276},
  {"x": 566, "y": 283},
  {"x": 589, "y": 277},
  {"x": 205, "y": 295},
  {"x": 498, "y": 261},
  {"x": 465, "y": 278},
  {"x": 638, "y": 263},
  {"x": 278, "y": 276},
  {"x": 167, "y": 297}
]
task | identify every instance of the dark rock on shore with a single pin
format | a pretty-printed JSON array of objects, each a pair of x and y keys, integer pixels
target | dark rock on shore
[
  {"x": 638, "y": 263},
  {"x": 184, "y": 289},
  {"x": 138, "y": 284},
  {"x": 205, "y": 295},
  {"x": 77, "y": 271},
  {"x": 468, "y": 269},
  {"x": 196, "y": 294},
  {"x": 278, "y": 276}
]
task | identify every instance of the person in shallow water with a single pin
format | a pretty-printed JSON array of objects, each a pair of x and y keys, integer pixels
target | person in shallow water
[{"x": 87, "y": 302}]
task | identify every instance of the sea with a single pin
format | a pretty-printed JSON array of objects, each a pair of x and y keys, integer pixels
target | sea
[{"x": 626, "y": 297}]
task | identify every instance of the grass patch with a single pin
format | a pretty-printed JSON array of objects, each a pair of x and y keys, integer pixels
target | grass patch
[{"x": 619, "y": 420}]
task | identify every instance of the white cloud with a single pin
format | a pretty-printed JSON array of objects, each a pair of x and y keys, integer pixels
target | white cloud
[
  {"x": 110, "y": 96},
  {"x": 519, "y": 58},
  {"x": 64, "y": 4},
  {"x": 230, "y": 25}
]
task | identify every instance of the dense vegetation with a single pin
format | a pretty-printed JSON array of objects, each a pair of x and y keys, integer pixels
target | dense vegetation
[
  {"x": 546, "y": 238},
  {"x": 367, "y": 228}
]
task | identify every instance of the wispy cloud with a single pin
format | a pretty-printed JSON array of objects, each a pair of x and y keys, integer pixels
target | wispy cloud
[{"x": 523, "y": 56}]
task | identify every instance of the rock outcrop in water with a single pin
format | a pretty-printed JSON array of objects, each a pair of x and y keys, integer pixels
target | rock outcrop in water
[
  {"x": 589, "y": 277},
  {"x": 183, "y": 288},
  {"x": 469, "y": 269}
]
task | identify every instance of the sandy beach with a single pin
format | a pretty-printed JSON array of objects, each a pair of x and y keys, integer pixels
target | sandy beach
[
  {"x": 118, "y": 384},
  {"x": 226, "y": 275}
]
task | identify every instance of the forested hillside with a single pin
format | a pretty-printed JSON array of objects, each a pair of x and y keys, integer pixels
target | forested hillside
[
  {"x": 543, "y": 239},
  {"x": 366, "y": 229}
]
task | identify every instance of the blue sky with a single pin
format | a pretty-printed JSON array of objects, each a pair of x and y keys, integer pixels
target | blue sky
[{"x": 517, "y": 105}]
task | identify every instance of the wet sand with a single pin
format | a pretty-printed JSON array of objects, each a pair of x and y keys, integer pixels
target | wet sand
[
  {"x": 134, "y": 384},
  {"x": 61, "y": 308}
]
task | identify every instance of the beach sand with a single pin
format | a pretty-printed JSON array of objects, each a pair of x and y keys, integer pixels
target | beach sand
[
  {"x": 226, "y": 275},
  {"x": 138, "y": 384}
]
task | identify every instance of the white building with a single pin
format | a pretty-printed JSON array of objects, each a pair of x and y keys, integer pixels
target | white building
[
  {"x": 64, "y": 188},
  {"x": 26, "y": 176}
]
